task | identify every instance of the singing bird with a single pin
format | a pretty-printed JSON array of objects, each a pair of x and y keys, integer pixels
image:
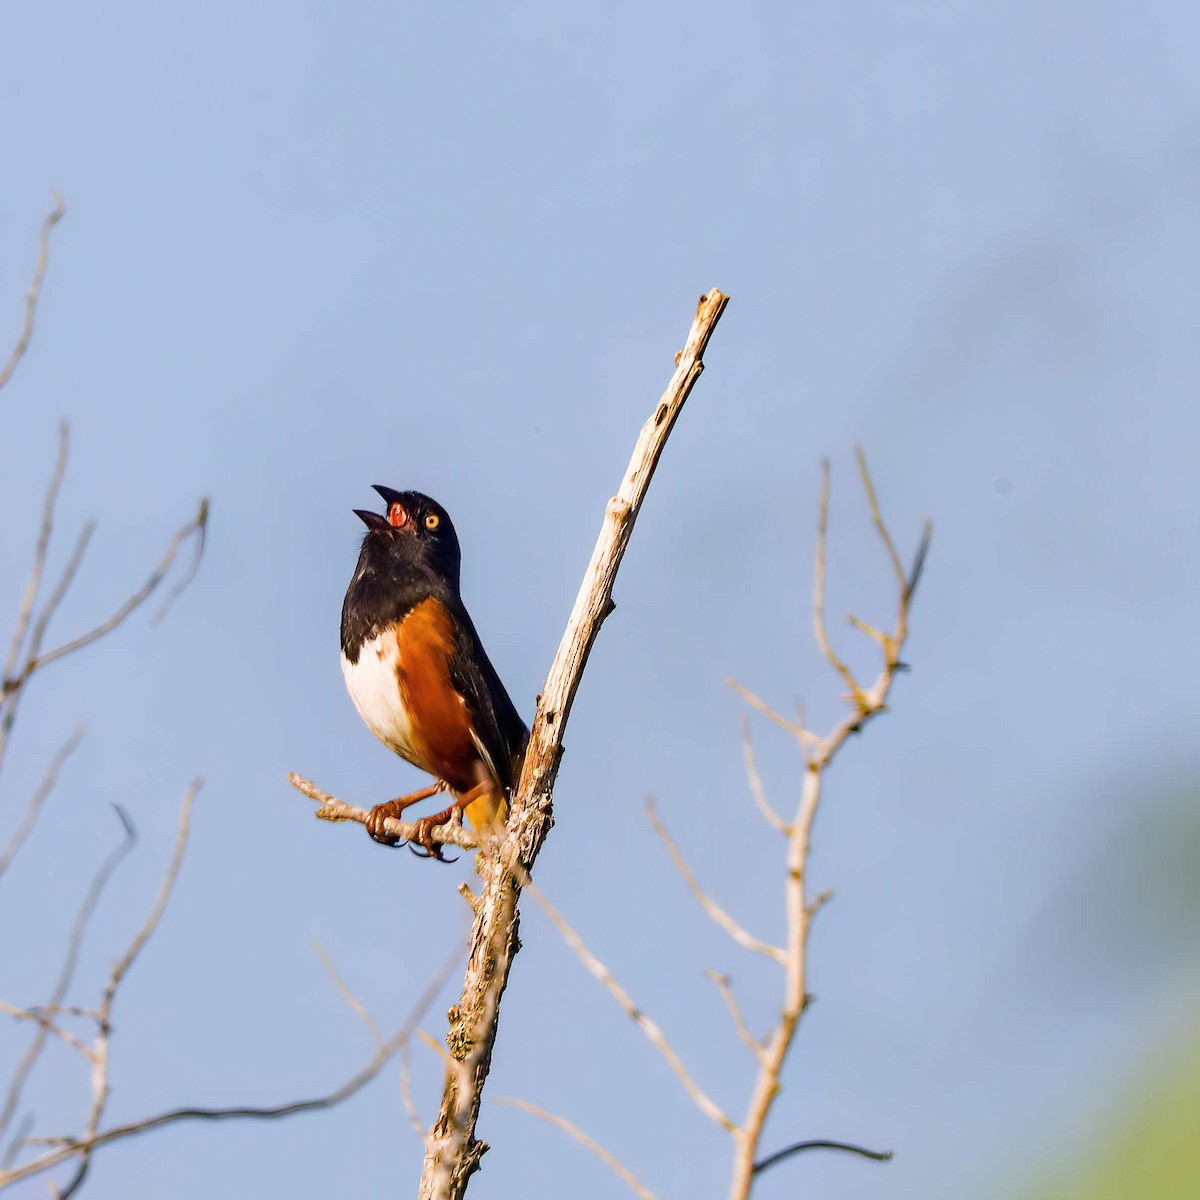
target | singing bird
[{"x": 417, "y": 671}]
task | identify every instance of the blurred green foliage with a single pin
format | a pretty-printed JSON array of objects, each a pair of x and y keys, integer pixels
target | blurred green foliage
[{"x": 1152, "y": 1147}]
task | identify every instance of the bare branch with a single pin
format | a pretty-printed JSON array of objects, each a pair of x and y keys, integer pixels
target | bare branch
[
  {"x": 763, "y": 707},
  {"x": 756, "y": 784},
  {"x": 406, "y": 1092},
  {"x": 190, "y": 574},
  {"x": 41, "y": 1017},
  {"x": 572, "y": 1130},
  {"x": 66, "y": 1148},
  {"x": 819, "y": 753},
  {"x": 100, "y": 1086},
  {"x": 350, "y": 998},
  {"x": 452, "y": 1152},
  {"x": 453, "y": 833},
  {"x": 748, "y": 1039},
  {"x": 35, "y": 290},
  {"x": 818, "y": 603},
  {"x": 780, "y": 1155},
  {"x": 39, "y": 555},
  {"x": 74, "y": 562},
  {"x": 67, "y": 973},
  {"x": 24, "y": 1128},
  {"x": 714, "y": 911},
  {"x": 37, "y": 800},
  {"x": 914, "y": 575},
  {"x": 654, "y": 1034},
  {"x": 885, "y": 537},
  {"x": 195, "y": 525}
]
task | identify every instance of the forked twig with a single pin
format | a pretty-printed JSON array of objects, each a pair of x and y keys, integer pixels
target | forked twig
[
  {"x": 16, "y": 1084},
  {"x": 195, "y": 525},
  {"x": 64, "y": 1148},
  {"x": 724, "y": 985},
  {"x": 100, "y": 1084},
  {"x": 819, "y": 752}
]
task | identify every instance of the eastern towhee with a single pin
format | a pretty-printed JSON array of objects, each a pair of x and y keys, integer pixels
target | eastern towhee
[{"x": 417, "y": 673}]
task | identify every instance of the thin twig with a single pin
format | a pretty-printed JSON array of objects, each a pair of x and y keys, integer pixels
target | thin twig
[
  {"x": 818, "y": 603},
  {"x": 37, "y": 800},
  {"x": 67, "y": 973},
  {"x": 723, "y": 985},
  {"x": 193, "y": 566},
  {"x": 756, "y": 784},
  {"x": 39, "y": 555},
  {"x": 24, "y": 1129},
  {"x": 350, "y": 998},
  {"x": 762, "y": 706},
  {"x": 820, "y": 1144},
  {"x": 35, "y": 290},
  {"x": 40, "y": 1017},
  {"x": 877, "y": 520},
  {"x": 714, "y": 911},
  {"x": 654, "y": 1034},
  {"x": 121, "y": 968},
  {"x": 195, "y": 525},
  {"x": 588, "y": 1143},
  {"x": 406, "y": 1092},
  {"x": 10, "y": 688}
]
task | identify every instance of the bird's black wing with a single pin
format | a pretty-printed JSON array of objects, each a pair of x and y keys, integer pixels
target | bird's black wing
[{"x": 496, "y": 724}]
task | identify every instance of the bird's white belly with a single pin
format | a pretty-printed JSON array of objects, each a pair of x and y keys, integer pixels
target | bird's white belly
[{"x": 374, "y": 685}]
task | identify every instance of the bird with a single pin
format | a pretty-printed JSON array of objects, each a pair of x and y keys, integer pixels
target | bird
[{"x": 418, "y": 673}]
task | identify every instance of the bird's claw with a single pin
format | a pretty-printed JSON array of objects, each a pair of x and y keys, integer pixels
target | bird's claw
[
  {"x": 422, "y": 843},
  {"x": 375, "y": 821}
]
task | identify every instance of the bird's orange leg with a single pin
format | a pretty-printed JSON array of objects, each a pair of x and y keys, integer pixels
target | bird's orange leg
[
  {"x": 394, "y": 808},
  {"x": 426, "y": 825}
]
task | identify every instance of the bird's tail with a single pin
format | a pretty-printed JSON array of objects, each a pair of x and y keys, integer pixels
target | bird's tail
[{"x": 488, "y": 809}]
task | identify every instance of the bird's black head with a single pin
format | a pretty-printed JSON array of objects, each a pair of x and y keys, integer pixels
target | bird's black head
[{"x": 414, "y": 535}]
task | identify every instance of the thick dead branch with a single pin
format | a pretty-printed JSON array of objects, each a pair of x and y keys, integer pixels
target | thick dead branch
[
  {"x": 35, "y": 290},
  {"x": 452, "y": 1152}
]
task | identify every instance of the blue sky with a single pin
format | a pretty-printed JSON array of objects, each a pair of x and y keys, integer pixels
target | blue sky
[{"x": 316, "y": 247}]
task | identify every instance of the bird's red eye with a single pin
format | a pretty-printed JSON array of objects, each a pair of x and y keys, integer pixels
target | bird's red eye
[{"x": 396, "y": 515}]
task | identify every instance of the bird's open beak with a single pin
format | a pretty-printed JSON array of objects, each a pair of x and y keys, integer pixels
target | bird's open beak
[
  {"x": 398, "y": 516},
  {"x": 372, "y": 520},
  {"x": 390, "y": 495}
]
